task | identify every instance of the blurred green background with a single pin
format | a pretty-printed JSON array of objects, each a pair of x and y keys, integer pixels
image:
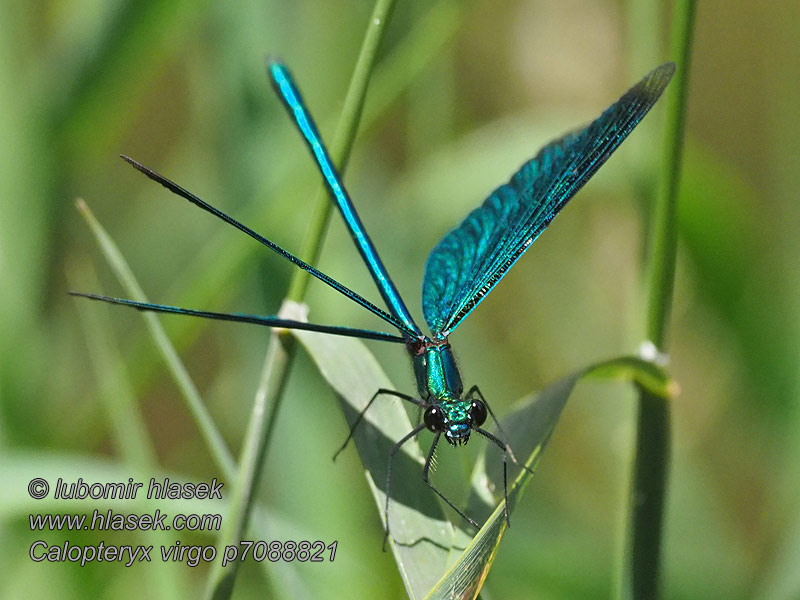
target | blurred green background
[{"x": 463, "y": 94}]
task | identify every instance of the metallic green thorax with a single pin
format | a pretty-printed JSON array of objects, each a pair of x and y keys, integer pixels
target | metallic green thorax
[{"x": 438, "y": 379}]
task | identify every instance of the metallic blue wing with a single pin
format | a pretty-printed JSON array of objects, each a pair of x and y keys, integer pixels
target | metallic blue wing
[
  {"x": 287, "y": 91},
  {"x": 470, "y": 260}
]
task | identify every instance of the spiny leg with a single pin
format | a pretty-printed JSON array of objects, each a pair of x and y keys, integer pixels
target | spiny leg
[
  {"x": 425, "y": 470},
  {"x": 503, "y": 437},
  {"x": 360, "y": 416},
  {"x": 504, "y": 448},
  {"x": 392, "y": 452}
]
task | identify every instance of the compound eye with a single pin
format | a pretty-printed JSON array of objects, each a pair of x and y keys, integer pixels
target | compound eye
[
  {"x": 478, "y": 413},
  {"x": 434, "y": 418}
]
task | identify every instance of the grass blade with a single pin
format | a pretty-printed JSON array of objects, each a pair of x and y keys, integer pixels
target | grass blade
[
  {"x": 211, "y": 435},
  {"x": 641, "y": 575}
]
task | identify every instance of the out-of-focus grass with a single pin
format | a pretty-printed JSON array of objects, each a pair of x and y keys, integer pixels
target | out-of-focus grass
[{"x": 181, "y": 87}]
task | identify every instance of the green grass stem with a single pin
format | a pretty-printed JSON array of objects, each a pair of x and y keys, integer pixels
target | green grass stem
[
  {"x": 641, "y": 579},
  {"x": 664, "y": 229},
  {"x": 282, "y": 348}
]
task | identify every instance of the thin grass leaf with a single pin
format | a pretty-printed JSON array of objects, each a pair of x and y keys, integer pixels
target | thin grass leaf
[
  {"x": 259, "y": 426},
  {"x": 644, "y": 373},
  {"x": 409, "y": 59},
  {"x": 208, "y": 430},
  {"x": 640, "y": 578},
  {"x": 288, "y": 578},
  {"x": 128, "y": 427}
]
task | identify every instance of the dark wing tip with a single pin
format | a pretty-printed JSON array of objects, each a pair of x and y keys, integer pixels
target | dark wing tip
[
  {"x": 102, "y": 298},
  {"x": 90, "y": 296},
  {"x": 136, "y": 165},
  {"x": 668, "y": 68},
  {"x": 655, "y": 81},
  {"x": 158, "y": 178},
  {"x": 663, "y": 73}
]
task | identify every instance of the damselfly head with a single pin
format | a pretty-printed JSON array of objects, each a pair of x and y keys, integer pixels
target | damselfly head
[{"x": 456, "y": 419}]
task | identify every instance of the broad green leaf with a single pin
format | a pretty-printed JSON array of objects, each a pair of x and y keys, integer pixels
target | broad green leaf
[{"x": 420, "y": 535}]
